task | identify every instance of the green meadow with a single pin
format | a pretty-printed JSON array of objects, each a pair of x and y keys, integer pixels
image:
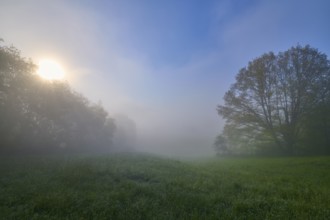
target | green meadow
[{"x": 139, "y": 186}]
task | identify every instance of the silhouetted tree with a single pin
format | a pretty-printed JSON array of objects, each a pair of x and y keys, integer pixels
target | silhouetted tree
[
  {"x": 15, "y": 74},
  {"x": 221, "y": 146},
  {"x": 275, "y": 96},
  {"x": 39, "y": 116}
]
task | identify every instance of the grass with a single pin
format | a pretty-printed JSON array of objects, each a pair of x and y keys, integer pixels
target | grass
[{"x": 136, "y": 186}]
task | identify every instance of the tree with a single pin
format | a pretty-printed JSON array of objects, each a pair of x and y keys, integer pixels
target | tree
[
  {"x": 221, "y": 146},
  {"x": 37, "y": 116},
  {"x": 15, "y": 75},
  {"x": 274, "y": 97}
]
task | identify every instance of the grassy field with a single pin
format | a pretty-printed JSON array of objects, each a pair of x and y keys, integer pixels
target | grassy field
[{"x": 147, "y": 187}]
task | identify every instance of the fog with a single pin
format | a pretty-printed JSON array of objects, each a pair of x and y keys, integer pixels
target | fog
[{"x": 163, "y": 68}]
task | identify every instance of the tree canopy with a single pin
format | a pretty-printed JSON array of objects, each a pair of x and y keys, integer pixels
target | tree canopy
[
  {"x": 280, "y": 104},
  {"x": 39, "y": 116}
]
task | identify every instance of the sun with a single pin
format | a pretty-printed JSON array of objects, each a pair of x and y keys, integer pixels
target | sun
[{"x": 50, "y": 70}]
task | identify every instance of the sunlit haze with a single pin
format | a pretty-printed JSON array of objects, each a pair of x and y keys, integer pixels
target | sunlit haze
[
  {"x": 165, "y": 65},
  {"x": 50, "y": 70}
]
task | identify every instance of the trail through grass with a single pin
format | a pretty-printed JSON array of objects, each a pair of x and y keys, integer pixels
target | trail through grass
[{"x": 138, "y": 186}]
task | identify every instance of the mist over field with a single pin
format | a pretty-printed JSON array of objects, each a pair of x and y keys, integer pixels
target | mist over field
[
  {"x": 164, "y": 65},
  {"x": 164, "y": 109}
]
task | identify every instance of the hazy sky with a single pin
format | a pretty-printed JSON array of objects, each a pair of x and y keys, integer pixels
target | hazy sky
[{"x": 166, "y": 64}]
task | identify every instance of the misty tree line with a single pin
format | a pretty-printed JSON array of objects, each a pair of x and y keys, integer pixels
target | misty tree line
[
  {"x": 279, "y": 104},
  {"x": 39, "y": 116}
]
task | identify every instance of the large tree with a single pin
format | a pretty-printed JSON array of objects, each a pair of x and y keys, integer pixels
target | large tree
[{"x": 274, "y": 97}]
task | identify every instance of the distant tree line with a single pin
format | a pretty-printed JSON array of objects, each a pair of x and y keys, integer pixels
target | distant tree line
[
  {"x": 279, "y": 105},
  {"x": 39, "y": 116}
]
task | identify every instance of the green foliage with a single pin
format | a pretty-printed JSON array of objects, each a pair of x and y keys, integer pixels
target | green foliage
[
  {"x": 278, "y": 102},
  {"x": 221, "y": 146},
  {"x": 145, "y": 187},
  {"x": 37, "y": 116}
]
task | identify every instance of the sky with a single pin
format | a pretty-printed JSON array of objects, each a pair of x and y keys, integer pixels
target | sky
[{"x": 165, "y": 64}]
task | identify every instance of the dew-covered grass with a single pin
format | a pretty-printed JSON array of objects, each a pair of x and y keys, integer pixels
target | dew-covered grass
[{"x": 137, "y": 186}]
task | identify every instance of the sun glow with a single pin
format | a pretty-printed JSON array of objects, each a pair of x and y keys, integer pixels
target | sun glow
[{"x": 50, "y": 70}]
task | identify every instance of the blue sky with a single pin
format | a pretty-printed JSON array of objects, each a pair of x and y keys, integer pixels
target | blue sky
[{"x": 167, "y": 63}]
